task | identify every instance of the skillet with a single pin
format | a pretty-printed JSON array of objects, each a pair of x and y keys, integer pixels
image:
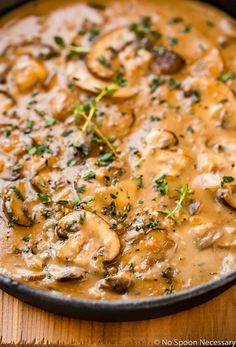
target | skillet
[{"x": 129, "y": 310}]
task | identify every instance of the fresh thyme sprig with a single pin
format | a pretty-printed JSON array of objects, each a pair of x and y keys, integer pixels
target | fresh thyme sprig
[
  {"x": 100, "y": 134},
  {"x": 183, "y": 195},
  {"x": 91, "y": 108}
]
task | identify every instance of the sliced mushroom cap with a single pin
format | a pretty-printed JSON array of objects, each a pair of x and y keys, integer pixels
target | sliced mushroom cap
[
  {"x": 4, "y": 69},
  {"x": 70, "y": 224},
  {"x": 27, "y": 73},
  {"x": 168, "y": 63},
  {"x": 69, "y": 274},
  {"x": 90, "y": 240},
  {"x": 227, "y": 197},
  {"x": 117, "y": 124},
  {"x": 62, "y": 103},
  {"x": 211, "y": 64},
  {"x": 16, "y": 204},
  {"x": 41, "y": 182},
  {"x": 6, "y": 168},
  {"x": 193, "y": 208},
  {"x": 217, "y": 101},
  {"x": 38, "y": 51},
  {"x": 86, "y": 81},
  {"x": 6, "y": 101},
  {"x": 154, "y": 248},
  {"x": 207, "y": 239},
  {"x": 162, "y": 139},
  {"x": 101, "y": 58},
  {"x": 120, "y": 282}
]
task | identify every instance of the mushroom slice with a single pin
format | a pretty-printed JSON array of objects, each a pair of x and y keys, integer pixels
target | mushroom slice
[
  {"x": 168, "y": 63},
  {"x": 27, "y": 73},
  {"x": 16, "y": 204},
  {"x": 38, "y": 50},
  {"x": 119, "y": 282},
  {"x": 6, "y": 101},
  {"x": 92, "y": 242},
  {"x": 227, "y": 197},
  {"x": 211, "y": 64},
  {"x": 30, "y": 276},
  {"x": 162, "y": 139},
  {"x": 41, "y": 182},
  {"x": 101, "y": 60},
  {"x": 155, "y": 247},
  {"x": 62, "y": 103},
  {"x": 69, "y": 274},
  {"x": 86, "y": 81},
  {"x": 6, "y": 165}
]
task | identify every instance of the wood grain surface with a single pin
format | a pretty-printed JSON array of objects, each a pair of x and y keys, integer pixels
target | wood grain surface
[{"x": 24, "y": 325}]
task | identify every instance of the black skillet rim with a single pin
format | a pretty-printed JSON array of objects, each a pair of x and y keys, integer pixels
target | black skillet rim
[{"x": 127, "y": 310}]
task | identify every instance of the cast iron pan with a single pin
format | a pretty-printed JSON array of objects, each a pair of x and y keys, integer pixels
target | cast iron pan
[{"x": 118, "y": 310}]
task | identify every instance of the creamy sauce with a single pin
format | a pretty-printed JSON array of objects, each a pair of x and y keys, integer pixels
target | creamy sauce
[{"x": 117, "y": 146}]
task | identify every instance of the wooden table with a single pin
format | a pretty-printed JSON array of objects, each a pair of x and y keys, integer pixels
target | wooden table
[{"x": 20, "y": 323}]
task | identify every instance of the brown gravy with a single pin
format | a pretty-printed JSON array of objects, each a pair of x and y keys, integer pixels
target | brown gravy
[{"x": 117, "y": 146}]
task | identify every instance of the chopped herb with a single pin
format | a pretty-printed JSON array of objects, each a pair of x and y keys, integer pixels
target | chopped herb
[
  {"x": 187, "y": 28},
  {"x": 155, "y": 118},
  {"x": 25, "y": 238},
  {"x": 159, "y": 50},
  {"x": 105, "y": 159},
  {"x": 77, "y": 49},
  {"x": 82, "y": 217},
  {"x": 227, "y": 76},
  {"x": 79, "y": 189},
  {"x": 173, "y": 41},
  {"x": 40, "y": 149},
  {"x": 63, "y": 202},
  {"x": 139, "y": 179},
  {"x": 173, "y": 83},
  {"x": 29, "y": 125},
  {"x": 120, "y": 80},
  {"x": 190, "y": 129},
  {"x": 113, "y": 196},
  {"x": 103, "y": 61},
  {"x": 59, "y": 41},
  {"x": 17, "y": 192},
  {"x": 46, "y": 213},
  {"x": 8, "y": 131},
  {"x": 50, "y": 122},
  {"x": 131, "y": 267},
  {"x": 94, "y": 32},
  {"x": 49, "y": 276},
  {"x": 88, "y": 199},
  {"x": 175, "y": 20},
  {"x": 226, "y": 179},
  {"x": 45, "y": 199},
  {"x": 161, "y": 185},
  {"x": 71, "y": 163},
  {"x": 157, "y": 81},
  {"x": 67, "y": 133},
  {"x": 194, "y": 95},
  {"x": 17, "y": 167},
  {"x": 145, "y": 29},
  {"x": 75, "y": 199},
  {"x": 90, "y": 176}
]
